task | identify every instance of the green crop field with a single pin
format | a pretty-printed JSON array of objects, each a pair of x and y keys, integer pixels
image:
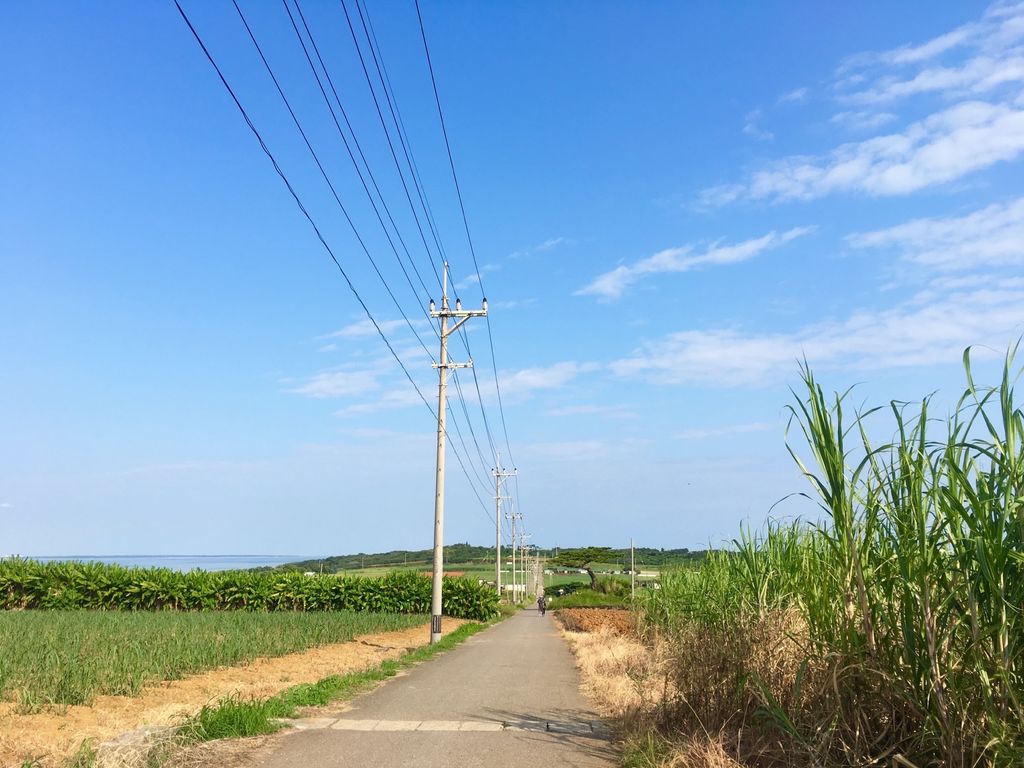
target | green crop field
[
  {"x": 69, "y": 657},
  {"x": 27, "y": 584}
]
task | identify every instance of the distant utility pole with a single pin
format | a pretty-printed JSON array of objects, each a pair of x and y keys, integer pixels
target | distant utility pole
[
  {"x": 632, "y": 570},
  {"x": 445, "y": 314},
  {"x": 499, "y": 480},
  {"x": 512, "y": 520},
  {"x": 522, "y": 561}
]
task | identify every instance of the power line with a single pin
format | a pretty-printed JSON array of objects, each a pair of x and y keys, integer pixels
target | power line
[
  {"x": 411, "y": 162},
  {"x": 410, "y": 158},
  {"x": 403, "y": 134},
  {"x": 465, "y": 410},
  {"x": 387, "y": 135},
  {"x": 305, "y": 212},
  {"x": 323, "y": 172},
  {"x": 465, "y": 220},
  {"x": 355, "y": 139},
  {"x": 355, "y": 164},
  {"x": 369, "y": 170}
]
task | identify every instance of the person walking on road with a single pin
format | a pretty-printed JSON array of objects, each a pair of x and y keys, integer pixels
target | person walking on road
[{"x": 542, "y": 604}]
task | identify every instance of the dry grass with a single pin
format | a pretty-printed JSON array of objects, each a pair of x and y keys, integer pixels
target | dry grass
[
  {"x": 707, "y": 752},
  {"x": 624, "y": 678},
  {"x": 710, "y": 699}
]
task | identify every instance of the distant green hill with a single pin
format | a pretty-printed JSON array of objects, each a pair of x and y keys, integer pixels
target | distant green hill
[
  {"x": 454, "y": 554},
  {"x": 467, "y": 554}
]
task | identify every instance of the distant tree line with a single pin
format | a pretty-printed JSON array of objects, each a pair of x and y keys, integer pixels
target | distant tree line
[{"x": 467, "y": 554}]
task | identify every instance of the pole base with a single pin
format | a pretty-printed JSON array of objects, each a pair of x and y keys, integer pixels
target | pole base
[{"x": 435, "y": 629}]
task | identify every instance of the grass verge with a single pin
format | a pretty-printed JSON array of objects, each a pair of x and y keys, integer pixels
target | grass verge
[{"x": 235, "y": 718}]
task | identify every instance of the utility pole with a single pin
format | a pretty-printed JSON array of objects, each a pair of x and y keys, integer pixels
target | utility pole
[
  {"x": 460, "y": 316},
  {"x": 522, "y": 560},
  {"x": 512, "y": 519},
  {"x": 499, "y": 479},
  {"x": 632, "y": 570}
]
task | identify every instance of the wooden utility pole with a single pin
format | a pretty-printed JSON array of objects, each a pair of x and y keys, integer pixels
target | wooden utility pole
[
  {"x": 499, "y": 480},
  {"x": 445, "y": 314},
  {"x": 632, "y": 570}
]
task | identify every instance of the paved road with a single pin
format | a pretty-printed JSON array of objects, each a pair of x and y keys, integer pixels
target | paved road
[{"x": 507, "y": 695}]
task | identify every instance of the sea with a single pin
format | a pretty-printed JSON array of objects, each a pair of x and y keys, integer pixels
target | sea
[{"x": 182, "y": 562}]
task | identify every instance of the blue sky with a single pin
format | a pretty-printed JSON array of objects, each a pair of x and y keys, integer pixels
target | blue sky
[{"x": 670, "y": 204}]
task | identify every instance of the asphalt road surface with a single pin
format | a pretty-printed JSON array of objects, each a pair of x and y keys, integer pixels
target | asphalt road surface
[{"x": 508, "y": 696}]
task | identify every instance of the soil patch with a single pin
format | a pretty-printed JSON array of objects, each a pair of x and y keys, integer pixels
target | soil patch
[
  {"x": 54, "y": 736},
  {"x": 617, "y": 620}
]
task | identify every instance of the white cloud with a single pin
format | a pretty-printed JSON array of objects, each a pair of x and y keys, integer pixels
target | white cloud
[
  {"x": 796, "y": 96},
  {"x": 338, "y": 384},
  {"x": 474, "y": 279},
  {"x": 862, "y": 120},
  {"x": 927, "y": 330},
  {"x": 610, "y": 411},
  {"x": 992, "y": 236},
  {"x": 570, "y": 450},
  {"x": 705, "y": 433},
  {"x": 979, "y": 75},
  {"x": 944, "y": 146},
  {"x": 988, "y": 57},
  {"x": 364, "y": 328},
  {"x": 550, "y": 244},
  {"x": 751, "y": 127},
  {"x": 6, "y": 505},
  {"x": 612, "y": 284},
  {"x": 526, "y": 381},
  {"x": 929, "y": 50},
  {"x": 393, "y": 399}
]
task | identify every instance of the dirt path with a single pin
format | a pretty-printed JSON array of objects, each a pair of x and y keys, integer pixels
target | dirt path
[{"x": 54, "y": 736}]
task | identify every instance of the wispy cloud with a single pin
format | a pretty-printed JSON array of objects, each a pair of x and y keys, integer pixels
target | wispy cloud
[
  {"x": 552, "y": 242},
  {"x": 365, "y": 328},
  {"x": 521, "y": 383},
  {"x": 6, "y": 505},
  {"x": 474, "y": 279},
  {"x": 862, "y": 120},
  {"x": 943, "y": 147},
  {"x": 612, "y": 285},
  {"x": 392, "y": 399},
  {"x": 608, "y": 411},
  {"x": 992, "y": 236},
  {"x": 977, "y": 76},
  {"x": 705, "y": 433},
  {"x": 796, "y": 96},
  {"x": 570, "y": 450},
  {"x": 929, "y": 329},
  {"x": 988, "y": 52},
  {"x": 752, "y": 128},
  {"x": 976, "y": 69},
  {"x": 548, "y": 245},
  {"x": 330, "y": 384}
]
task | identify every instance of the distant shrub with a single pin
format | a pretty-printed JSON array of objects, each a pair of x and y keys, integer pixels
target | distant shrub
[{"x": 609, "y": 585}]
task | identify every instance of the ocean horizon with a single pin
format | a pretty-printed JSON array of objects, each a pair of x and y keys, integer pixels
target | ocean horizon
[{"x": 177, "y": 562}]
